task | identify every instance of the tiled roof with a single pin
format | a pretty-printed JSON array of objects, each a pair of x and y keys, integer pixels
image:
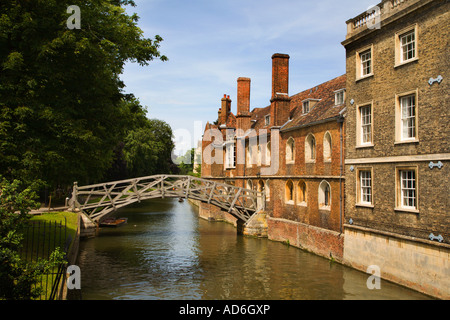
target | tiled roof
[{"x": 324, "y": 109}]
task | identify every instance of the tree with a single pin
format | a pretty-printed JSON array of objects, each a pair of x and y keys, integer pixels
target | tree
[
  {"x": 61, "y": 97},
  {"x": 147, "y": 150},
  {"x": 186, "y": 162},
  {"x": 18, "y": 277}
]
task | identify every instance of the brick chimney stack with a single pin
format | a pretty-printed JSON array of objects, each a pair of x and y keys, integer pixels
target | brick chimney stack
[
  {"x": 280, "y": 101},
  {"x": 225, "y": 109},
  {"x": 243, "y": 103}
]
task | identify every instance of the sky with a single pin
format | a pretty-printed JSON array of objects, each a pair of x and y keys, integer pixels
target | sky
[{"x": 211, "y": 43}]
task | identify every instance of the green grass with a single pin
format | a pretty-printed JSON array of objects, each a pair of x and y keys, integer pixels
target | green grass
[
  {"x": 43, "y": 241},
  {"x": 59, "y": 218}
]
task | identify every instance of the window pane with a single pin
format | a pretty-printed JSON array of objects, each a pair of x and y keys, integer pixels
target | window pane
[
  {"x": 366, "y": 124},
  {"x": 408, "y": 117},
  {"x": 408, "y": 188},
  {"x": 365, "y": 178},
  {"x": 366, "y": 62},
  {"x": 408, "y": 46}
]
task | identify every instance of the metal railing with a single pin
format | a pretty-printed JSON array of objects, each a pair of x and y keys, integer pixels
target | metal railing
[{"x": 41, "y": 238}]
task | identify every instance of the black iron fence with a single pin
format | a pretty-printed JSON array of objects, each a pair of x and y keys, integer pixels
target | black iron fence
[{"x": 41, "y": 238}]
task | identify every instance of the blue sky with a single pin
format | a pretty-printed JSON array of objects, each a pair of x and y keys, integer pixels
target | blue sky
[{"x": 211, "y": 43}]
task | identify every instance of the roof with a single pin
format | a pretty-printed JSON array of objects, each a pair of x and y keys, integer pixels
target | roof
[{"x": 323, "y": 110}]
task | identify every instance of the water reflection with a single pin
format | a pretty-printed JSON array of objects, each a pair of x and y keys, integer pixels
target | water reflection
[{"x": 166, "y": 252}]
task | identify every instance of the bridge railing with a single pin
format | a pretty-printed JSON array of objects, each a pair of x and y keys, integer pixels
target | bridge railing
[{"x": 98, "y": 200}]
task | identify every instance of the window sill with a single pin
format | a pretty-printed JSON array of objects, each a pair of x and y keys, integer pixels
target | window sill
[
  {"x": 406, "y": 141},
  {"x": 364, "y": 77},
  {"x": 310, "y": 161},
  {"x": 325, "y": 208},
  {"x": 302, "y": 204},
  {"x": 407, "y": 210},
  {"x": 291, "y": 202},
  {"x": 368, "y": 145},
  {"x": 327, "y": 160},
  {"x": 365, "y": 205},
  {"x": 400, "y": 64},
  {"x": 290, "y": 162}
]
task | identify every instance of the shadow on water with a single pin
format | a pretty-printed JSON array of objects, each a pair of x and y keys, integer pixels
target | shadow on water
[{"x": 166, "y": 252}]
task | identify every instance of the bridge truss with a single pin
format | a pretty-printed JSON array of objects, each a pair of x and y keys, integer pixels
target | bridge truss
[{"x": 99, "y": 200}]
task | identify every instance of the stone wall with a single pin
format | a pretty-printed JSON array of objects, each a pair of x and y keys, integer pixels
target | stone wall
[{"x": 420, "y": 265}]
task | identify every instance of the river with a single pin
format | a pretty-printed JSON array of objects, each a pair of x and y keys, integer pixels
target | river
[{"x": 166, "y": 251}]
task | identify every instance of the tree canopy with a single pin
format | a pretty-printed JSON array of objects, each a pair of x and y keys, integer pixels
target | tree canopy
[{"x": 64, "y": 115}]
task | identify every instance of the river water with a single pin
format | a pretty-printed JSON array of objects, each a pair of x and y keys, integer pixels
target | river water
[{"x": 166, "y": 251}]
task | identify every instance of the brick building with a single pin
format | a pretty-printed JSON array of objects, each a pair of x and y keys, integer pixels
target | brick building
[
  {"x": 292, "y": 149},
  {"x": 356, "y": 168},
  {"x": 397, "y": 151}
]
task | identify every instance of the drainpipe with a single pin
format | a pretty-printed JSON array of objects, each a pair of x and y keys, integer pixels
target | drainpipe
[{"x": 341, "y": 139}]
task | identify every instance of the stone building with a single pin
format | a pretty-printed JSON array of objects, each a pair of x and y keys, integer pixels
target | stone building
[
  {"x": 397, "y": 151},
  {"x": 293, "y": 149}
]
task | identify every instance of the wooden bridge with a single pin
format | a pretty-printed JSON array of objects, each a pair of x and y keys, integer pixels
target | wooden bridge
[{"x": 99, "y": 200}]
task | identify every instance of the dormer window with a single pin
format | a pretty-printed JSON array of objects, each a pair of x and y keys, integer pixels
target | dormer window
[
  {"x": 267, "y": 120},
  {"x": 306, "y": 106},
  {"x": 339, "y": 97}
]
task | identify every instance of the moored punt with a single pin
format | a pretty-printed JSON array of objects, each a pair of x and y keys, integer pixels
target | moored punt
[{"x": 111, "y": 222}]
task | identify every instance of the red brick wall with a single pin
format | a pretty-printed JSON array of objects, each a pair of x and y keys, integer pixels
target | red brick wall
[{"x": 320, "y": 241}]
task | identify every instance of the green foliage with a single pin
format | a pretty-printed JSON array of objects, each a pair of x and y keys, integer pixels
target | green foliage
[
  {"x": 148, "y": 148},
  {"x": 63, "y": 113},
  {"x": 186, "y": 164},
  {"x": 18, "y": 277}
]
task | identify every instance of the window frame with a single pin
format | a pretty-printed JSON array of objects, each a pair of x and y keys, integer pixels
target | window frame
[
  {"x": 359, "y": 188},
  {"x": 399, "y": 123},
  {"x": 399, "y": 189},
  {"x": 291, "y": 147},
  {"x": 327, "y": 157},
  {"x": 310, "y": 148},
  {"x": 322, "y": 196},
  {"x": 302, "y": 193},
  {"x": 305, "y": 107},
  {"x": 337, "y": 93},
  {"x": 267, "y": 190},
  {"x": 359, "y": 62},
  {"x": 399, "y": 61},
  {"x": 291, "y": 198},
  {"x": 230, "y": 162},
  {"x": 267, "y": 120},
  {"x": 359, "y": 126}
]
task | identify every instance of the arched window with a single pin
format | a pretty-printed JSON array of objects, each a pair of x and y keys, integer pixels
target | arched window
[
  {"x": 301, "y": 193},
  {"x": 249, "y": 184},
  {"x": 327, "y": 147},
  {"x": 290, "y": 150},
  {"x": 249, "y": 155},
  {"x": 310, "y": 148},
  {"x": 289, "y": 192},
  {"x": 267, "y": 190},
  {"x": 268, "y": 154},
  {"x": 259, "y": 155},
  {"x": 324, "y": 195},
  {"x": 261, "y": 186}
]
